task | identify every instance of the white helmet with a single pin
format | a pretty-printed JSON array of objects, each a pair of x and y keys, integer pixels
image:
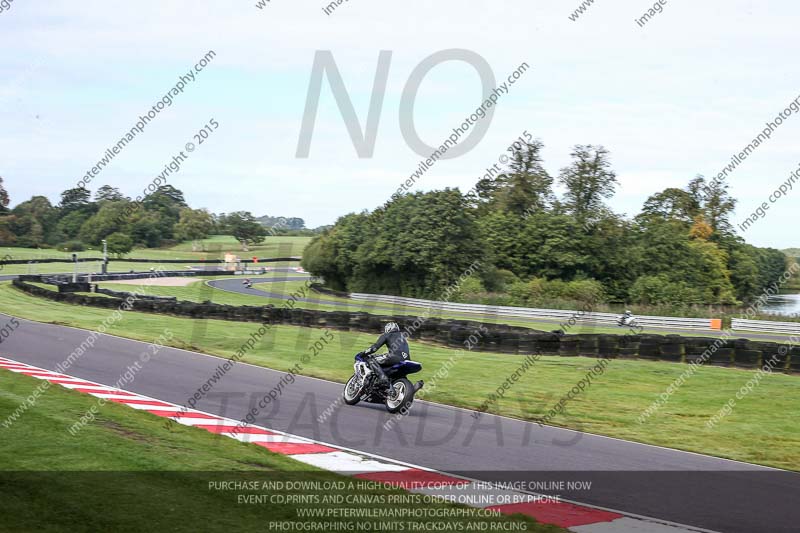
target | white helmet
[{"x": 391, "y": 326}]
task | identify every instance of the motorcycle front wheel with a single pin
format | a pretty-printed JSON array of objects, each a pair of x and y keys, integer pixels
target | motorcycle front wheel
[{"x": 352, "y": 391}]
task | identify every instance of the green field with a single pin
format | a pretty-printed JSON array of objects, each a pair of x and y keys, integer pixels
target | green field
[
  {"x": 126, "y": 472},
  {"x": 610, "y": 406},
  {"x": 214, "y": 247},
  {"x": 271, "y": 247}
]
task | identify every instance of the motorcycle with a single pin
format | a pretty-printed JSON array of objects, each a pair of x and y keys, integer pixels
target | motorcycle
[
  {"x": 626, "y": 320},
  {"x": 397, "y": 397},
  {"x": 248, "y": 284}
]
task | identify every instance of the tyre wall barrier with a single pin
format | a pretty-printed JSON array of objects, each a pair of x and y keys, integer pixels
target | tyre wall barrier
[
  {"x": 122, "y": 295},
  {"x": 74, "y": 287},
  {"x": 463, "y": 334}
]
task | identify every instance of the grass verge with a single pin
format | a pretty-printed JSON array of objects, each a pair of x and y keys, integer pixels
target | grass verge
[{"x": 125, "y": 472}]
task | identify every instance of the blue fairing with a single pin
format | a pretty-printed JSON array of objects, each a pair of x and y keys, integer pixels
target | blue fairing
[{"x": 403, "y": 369}]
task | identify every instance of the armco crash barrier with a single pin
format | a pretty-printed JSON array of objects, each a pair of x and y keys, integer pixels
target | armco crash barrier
[
  {"x": 766, "y": 326},
  {"x": 554, "y": 315},
  {"x": 497, "y": 338}
]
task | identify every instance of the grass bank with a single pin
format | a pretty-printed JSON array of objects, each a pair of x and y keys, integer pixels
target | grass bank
[{"x": 125, "y": 472}]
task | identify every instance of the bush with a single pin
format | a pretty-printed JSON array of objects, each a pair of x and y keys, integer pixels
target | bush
[
  {"x": 585, "y": 290},
  {"x": 520, "y": 292},
  {"x": 497, "y": 279},
  {"x": 660, "y": 290},
  {"x": 468, "y": 290},
  {"x": 119, "y": 244},
  {"x": 540, "y": 291},
  {"x": 72, "y": 246}
]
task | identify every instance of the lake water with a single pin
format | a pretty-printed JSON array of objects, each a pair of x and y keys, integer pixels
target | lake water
[{"x": 783, "y": 304}]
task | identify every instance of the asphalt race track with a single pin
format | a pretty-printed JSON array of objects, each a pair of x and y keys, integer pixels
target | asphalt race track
[
  {"x": 681, "y": 487},
  {"x": 235, "y": 285}
]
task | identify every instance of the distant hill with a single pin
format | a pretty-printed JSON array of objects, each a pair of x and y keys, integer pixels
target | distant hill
[
  {"x": 282, "y": 223},
  {"x": 792, "y": 252}
]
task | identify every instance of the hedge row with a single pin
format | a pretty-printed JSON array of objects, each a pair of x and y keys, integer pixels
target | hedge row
[{"x": 741, "y": 353}]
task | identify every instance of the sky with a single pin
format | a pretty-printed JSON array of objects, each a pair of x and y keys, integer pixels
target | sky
[{"x": 670, "y": 100}]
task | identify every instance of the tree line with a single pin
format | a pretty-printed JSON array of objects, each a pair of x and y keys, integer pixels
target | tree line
[
  {"x": 162, "y": 218},
  {"x": 536, "y": 247}
]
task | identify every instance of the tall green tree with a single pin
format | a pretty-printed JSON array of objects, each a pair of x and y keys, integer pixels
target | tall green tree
[
  {"x": 193, "y": 225},
  {"x": 526, "y": 187},
  {"x": 418, "y": 244},
  {"x": 75, "y": 199},
  {"x": 671, "y": 204},
  {"x": 333, "y": 254},
  {"x": 588, "y": 181},
  {"x": 106, "y": 221},
  {"x": 696, "y": 266},
  {"x": 108, "y": 193},
  {"x": 422, "y": 243},
  {"x": 119, "y": 244},
  {"x": 4, "y": 199},
  {"x": 166, "y": 202},
  {"x": 718, "y": 205},
  {"x": 7, "y": 235},
  {"x": 245, "y": 228},
  {"x": 147, "y": 228},
  {"x": 69, "y": 225},
  {"x": 32, "y": 221}
]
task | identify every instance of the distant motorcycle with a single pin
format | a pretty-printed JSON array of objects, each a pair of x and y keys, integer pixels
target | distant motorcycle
[
  {"x": 627, "y": 320},
  {"x": 247, "y": 283},
  {"x": 397, "y": 397}
]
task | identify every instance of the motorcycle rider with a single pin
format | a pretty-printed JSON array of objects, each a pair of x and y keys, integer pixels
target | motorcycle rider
[
  {"x": 624, "y": 319},
  {"x": 398, "y": 352},
  {"x": 247, "y": 283}
]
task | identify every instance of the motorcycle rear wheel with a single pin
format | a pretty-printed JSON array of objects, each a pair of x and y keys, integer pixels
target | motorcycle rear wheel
[{"x": 400, "y": 397}]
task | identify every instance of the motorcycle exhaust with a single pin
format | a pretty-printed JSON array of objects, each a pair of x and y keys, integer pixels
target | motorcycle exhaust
[{"x": 418, "y": 385}]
